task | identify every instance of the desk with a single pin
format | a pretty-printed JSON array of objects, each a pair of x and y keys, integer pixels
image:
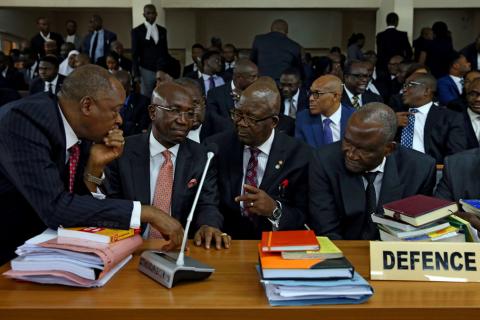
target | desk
[{"x": 232, "y": 292}]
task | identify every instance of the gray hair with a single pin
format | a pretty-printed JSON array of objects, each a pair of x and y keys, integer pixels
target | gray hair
[{"x": 379, "y": 113}]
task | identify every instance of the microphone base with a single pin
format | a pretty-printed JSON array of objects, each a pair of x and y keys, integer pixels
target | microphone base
[{"x": 162, "y": 267}]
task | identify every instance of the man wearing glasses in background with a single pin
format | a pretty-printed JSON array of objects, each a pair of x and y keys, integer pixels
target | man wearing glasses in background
[
  {"x": 164, "y": 168},
  {"x": 325, "y": 121},
  {"x": 355, "y": 93},
  {"x": 262, "y": 172}
]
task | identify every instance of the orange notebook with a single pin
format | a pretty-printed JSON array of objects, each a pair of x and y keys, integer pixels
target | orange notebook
[
  {"x": 98, "y": 234},
  {"x": 297, "y": 240}
]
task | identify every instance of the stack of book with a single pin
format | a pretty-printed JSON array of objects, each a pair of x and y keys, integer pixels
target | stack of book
[
  {"x": 73, "y": 261},
  {"x": 421, "y": 218},
  {"x": 297, "y": 268}
]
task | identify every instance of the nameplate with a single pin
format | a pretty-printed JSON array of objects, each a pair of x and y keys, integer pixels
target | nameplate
[{"x": 425, "y": 261}]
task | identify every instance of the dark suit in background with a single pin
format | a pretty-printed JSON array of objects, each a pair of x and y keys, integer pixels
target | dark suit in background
[
  {"x": 220, "y": 100},
  {"x": 337, "y": 196},
  {"x": 392, "y": 42},
  {"x": 37, "y": 43},
  {"x": 302, "y": 101},
  {"x": 471, "y": 137},
  {"x": 135, "y": 114},
  {"x": 8, "y": 95},
  {"x": 294, "y": 157},
  {"x": 13, "y": 79},
  {"x": 309, "y": 128},
  {"x": 38, "y": 85},
  {"x": 128, "y": 177},
  {"x": 273, "y": 53},
  {"x": 108, "y": 38},
  {"x": 458, "y": 105},
  {"x": 366, "y": 97},
  {"x": 461, "y": 177},
  {"x": 447, "y": 90},
  {"x": 34, "y": 177},
  {"x": 470, "y": 52}
]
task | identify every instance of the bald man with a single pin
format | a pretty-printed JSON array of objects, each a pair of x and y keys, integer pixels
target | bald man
[
  {"x": 163, "y": 165},
  {"x": 325, "y": 121},
  {"x": 262, "y": 173},
  {"x": 274, "y": 52},
  {"x": 354, "y": 178},
  {"x": 49, "y": 167}
]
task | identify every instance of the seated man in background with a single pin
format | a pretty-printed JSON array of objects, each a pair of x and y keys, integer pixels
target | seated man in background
[
  {"x": 355, "y": 93},
  {"x": 262, "y": 172},
  {"x": 164, "y": 168},
  {"x": 49, "y": 79},
  {"x": 294, "y": 96},
  {"x": 351, "y": 179},
  {"x": 327, "y": 118},
  {"x": 450, "y": 87},
  {"x": 49, "y": 168}
]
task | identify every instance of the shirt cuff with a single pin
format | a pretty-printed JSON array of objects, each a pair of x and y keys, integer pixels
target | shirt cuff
[
  {"x": 136, "y": 212},
  {"x": 98, "y": 195}
]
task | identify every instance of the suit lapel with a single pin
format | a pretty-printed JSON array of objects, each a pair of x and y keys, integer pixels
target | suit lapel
[
  {"x": 392, "y": 188},
  {"x": 317, "y": 130},
  {"x": 277, "y": 154},
  {"x": 183, "y": 166},
  {"x": 343, "y": 121},
  {"x": 346, "y": 100},
  {"x": 140, "y": 168},
  {"x": 352, "y": 191},
  {"x": 433, "y": 117},
  {"x": 236, "y": 165}
]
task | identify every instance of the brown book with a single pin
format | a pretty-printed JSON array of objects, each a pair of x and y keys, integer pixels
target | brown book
[{"x": 419, "y": 209}]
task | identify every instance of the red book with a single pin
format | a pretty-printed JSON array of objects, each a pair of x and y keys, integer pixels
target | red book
[
  {"x": 419, "y": 209},
  {"x": 298, "y": 240}
]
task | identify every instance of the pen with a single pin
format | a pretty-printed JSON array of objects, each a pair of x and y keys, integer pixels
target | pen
[{"x": 306, "y": 226}]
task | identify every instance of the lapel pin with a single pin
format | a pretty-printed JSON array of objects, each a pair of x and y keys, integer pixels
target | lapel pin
[{"x": 279, "y": 164}]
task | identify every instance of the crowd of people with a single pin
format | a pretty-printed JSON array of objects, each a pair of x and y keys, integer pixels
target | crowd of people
[{"x": 104, "y": 140}]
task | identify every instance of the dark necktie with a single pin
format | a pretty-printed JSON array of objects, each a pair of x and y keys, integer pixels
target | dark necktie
[
  {"x": 211, "y": 83},
  {"x": 327, "y": 131},
  {"x": 50, "y": 89},
  {"x": 251, "y": 173},
  {"x": 73, "y": 158},
  {"x": 369, "y": 230},
  {"x": 406, "y": 139},
  {"x": 93, "y": 49}
]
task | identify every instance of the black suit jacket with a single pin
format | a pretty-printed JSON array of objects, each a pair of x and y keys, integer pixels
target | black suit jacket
[
  {"x": 461, "y": 177},
  {"x": 294, "y": 166},
  {"x": 37, "y": 43},
  {"x": 391, "y": 42},
  {"x": 128, "y": 177},
  {"x": 34, "y": 175},
  {"x": 108, "y": 38},
  {"x": 471, "y": 138},
  {"x": 187, "y": 70},
  {"x": 302, "y": 102},
  {"x": 458, "y": 105},
  {"x": 38, "y": 85},
  {"x": 147, "y": 54},
  {"x": 366, "y": 97},
  {"x": 135, "y": 115},
  {"x": 470, "y": 52},
  {"x": 337, "y": 196},
  {"x": 14, "y": 79},
  {"x": 220, "y": 100},
  {"x": 273, "y": 53},
  {"x": 444, "y": 133}
]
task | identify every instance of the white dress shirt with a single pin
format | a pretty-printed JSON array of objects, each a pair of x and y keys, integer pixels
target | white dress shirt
[
  {"x": 229, "y": 65},
  {"x": 71, "y": 139},
  {"x": 286, "y": 103},
  {"x": 458, "y": 82},
  {"x": 335, "y": 125},
  {"x": 47, "y": 37},
  {"x": 478, "y": 60},
  {"x": 377, "y": 183},
  {"x": 53, "y": 83},
  {"x": 206, "y": 80},
  {"x": 350, "y": 96},
  {"x": 195, "y": 134},
  {"x": 475, "y": 119},
  {"x": 419, "y": 127}
]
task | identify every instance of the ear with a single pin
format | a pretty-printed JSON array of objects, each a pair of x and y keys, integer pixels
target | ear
[
  {"x": 275, "y": 120},
  {"x": 390, "y": 147},
  {"x": 86, "y": 105},
  {"x": 152, "y": 112}
]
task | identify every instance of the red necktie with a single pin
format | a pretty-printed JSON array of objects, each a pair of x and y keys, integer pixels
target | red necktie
[
  {"x": 73, "y": 163},
  {"x": 251, "y": 174}
]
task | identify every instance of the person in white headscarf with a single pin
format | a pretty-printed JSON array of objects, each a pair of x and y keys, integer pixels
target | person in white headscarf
[{"x": 67, "y": 66}]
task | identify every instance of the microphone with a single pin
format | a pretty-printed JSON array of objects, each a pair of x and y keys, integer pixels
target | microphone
[{"x": 168, "y": 268}]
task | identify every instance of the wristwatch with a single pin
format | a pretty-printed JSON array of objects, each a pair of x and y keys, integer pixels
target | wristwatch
[
  {"x": 95, "y": 180},
  {"x": 275, "y": 217}
]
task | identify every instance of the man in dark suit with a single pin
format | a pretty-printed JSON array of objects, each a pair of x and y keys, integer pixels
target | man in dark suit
[
  {"x": 427, "y": 127},
  {"x": 262, "y": 173},
  {"x": 352, "y": 179},
  {"x": 10, "y": 77},
  {"x": 274, "y": 52},
  {"x": 355, "y": 93},
  {"x": 49, "y": 80},
  {"x": 192, "y": 70},
  {"x": 134, "y": 111},
  {"x": 471, "y": 115},
  {"x": 164, "y": 168},
  {"x": 211, "y": 65},
  {"x": 49, "y": 171},
  {"x": 44, "y": 34},
  {"x": 294, "y": 96},
  {"x": 450, "y": 87},
  {"x": 97, "y": 43},
  {"x": 325, "y": 121},
  {"x": 471, "y": 52},
  {"x": 460, "y": 104},
  {"x": 149, "y": 50},
  {"x": 391, "y": 42},
  {"x": 72, "y": 36}
]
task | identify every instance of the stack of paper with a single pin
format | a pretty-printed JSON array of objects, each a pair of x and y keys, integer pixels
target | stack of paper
[{"x": 82, "y": 263}]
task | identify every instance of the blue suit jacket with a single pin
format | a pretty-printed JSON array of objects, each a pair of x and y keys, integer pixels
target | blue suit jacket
[
  {"x": 309, "y": 128},
  {"x": 108, "y": 38},
  {"x": 447, "y": 90}
]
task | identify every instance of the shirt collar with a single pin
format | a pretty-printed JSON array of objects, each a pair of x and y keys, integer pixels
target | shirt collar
[
  {"x": 380, "y": 167},
  {"x": 70, "y": 136},
  {"x": 156, "y": 147},
  {"x": 335, "y": 117},
  {"x": 53, "y": 82},
  {"x": 207, "y": 77},
  {"x": 391, "y": 27},
  {"x": 473, "y": 115},
  {"x": 425, "y": 108},
  {"x": 267, "y": 145},
  {"x": 295, "y": 96},
  {"x": 233, "y": 85},
  {"x": 349, "y": 93}
]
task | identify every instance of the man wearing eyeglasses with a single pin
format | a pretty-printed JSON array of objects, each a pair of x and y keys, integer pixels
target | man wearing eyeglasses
[
  {"x": 427, "y": 127},
  {"x": 355, "y": 93},
  {"x": 262, "y": 172},
  {"x": 325, "y": 121},
  {"x": 164, "y": 168}
]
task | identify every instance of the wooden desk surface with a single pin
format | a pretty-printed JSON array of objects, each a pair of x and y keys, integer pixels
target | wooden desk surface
[{"x": 232, "y": 292}]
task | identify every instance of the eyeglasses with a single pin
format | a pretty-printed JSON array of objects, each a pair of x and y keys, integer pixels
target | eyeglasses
[
  {"x": 249, "y": 121},
  {"x": 474, "y": 94},
  {"x": 360, "y": 76},
  {"x": 317, "y": 94},
  {"x": 411, "y": 84},
  {"x": 175, "y": 112}
]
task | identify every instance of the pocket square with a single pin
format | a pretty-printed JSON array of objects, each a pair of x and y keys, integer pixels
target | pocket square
[{"x": 192, "y": 183}]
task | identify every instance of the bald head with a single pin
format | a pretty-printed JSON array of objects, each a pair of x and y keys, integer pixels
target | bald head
[
  {"x": 330, "y": 83},
  {"x": 378, "y": 115},
  {"x": 279, "y": 25},
  {"x": 163, "y": 93},
  {"x": 263, "y": 90},
  {"x": 243, "y": 66}
]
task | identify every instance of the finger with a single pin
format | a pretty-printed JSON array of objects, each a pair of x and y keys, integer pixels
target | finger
[
  {"x": 208, "y": 238},
  {"x": 218, "y": 240},
  {"x": 198, "y": 237},
  {"x": 168, "y": 246},
  {"x": 226, "y": 241},
  {"x": 251, "y": 189},
  {"x": 247, "y": 197}
]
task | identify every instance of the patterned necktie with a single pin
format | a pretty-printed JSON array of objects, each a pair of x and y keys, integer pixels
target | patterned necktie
[
  {"x": 327, "y": 131},
  {"x": 251, "y": 174},
  {"x": 356, "y": 102},
  {"x": 407, "y": 132},
  {"x": 74, "y": 156},
  {"x": 163, "y": 190},
  {"x": 292, "y": 111},
  {"x": 369, "y": 229},
  {"x": 211, "y": 83}
]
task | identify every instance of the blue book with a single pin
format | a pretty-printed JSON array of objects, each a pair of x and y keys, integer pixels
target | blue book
[{"x": 471, "y": 205}]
